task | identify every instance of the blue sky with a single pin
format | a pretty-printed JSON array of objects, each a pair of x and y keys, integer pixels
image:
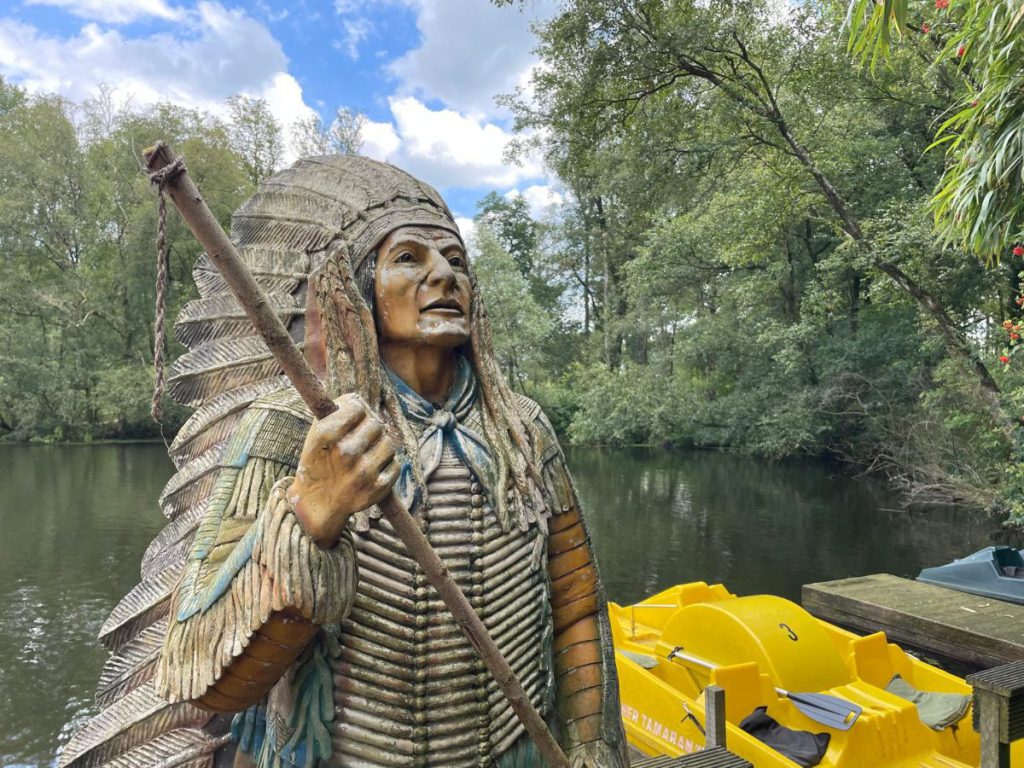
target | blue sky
[{"x": 425, "y": 72}]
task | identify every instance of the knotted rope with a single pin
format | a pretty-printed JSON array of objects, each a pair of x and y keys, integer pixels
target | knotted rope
[{"x": 160, "y": 179}]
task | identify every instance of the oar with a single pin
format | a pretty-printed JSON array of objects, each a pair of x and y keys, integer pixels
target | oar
[
  {"x": 828, "y": 710},
  {"x": 250, "y": 295}
]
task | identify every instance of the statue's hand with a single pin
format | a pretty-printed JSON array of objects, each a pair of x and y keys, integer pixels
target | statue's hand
[{"x": 347, "y": 464}]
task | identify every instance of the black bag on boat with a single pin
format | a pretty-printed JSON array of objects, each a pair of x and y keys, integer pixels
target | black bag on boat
[{"x": 802, "y": 747}]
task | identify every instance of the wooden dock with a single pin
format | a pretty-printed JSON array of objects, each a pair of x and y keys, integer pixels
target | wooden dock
[
  {"x": 977, "y": 631},
  {"x": 716, "y": 757}
]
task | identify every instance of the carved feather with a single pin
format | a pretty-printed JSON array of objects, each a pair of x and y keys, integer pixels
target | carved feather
[
  {"x": 132, "y": 666},
  {"x": 192, "y": 483},
  {"x": 130, "y": 722},
  {"x": 275, "y": 270},
  {"x": 219, "y": 366},
  {"x": 183, "y": 748},
  {"x": 215, "y": 420},
  {"x": 289, "y": 217},
  {"x": 221, "y": 317},
  {"x": 145, "y": 604},
  {"x": 176, "y": 535}
]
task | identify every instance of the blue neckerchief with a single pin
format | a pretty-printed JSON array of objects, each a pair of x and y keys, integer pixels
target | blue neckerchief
[{"x": 439, "y": 425}]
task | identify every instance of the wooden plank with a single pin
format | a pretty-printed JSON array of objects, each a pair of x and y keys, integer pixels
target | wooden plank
[
  {"x": 977, "y": 630},
  {"x": 717, "y": 757},
  {"x": 714, "y": 707}
]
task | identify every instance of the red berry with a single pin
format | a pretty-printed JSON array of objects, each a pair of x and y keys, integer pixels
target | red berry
[
  {"x": 961, "y": 51},
  {"x": 942, "y": 4},
  {"x": 1018, "y": 250},
  {"x": 925, "y": 29},
  {"x": 1004, "y": 359}
]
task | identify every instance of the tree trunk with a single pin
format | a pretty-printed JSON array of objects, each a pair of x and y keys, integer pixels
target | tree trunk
[
  {"x": 612, "y": 340},
  {"x": 956, "y": 345}
]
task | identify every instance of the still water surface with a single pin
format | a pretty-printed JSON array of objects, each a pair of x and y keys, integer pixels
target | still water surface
[{"x": 74, "y": 521}]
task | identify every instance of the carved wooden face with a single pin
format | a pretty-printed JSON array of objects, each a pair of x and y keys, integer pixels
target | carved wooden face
[{"x": 422, "y": 291}]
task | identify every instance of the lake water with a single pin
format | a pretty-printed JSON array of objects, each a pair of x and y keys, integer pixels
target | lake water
[{"x": 74, "y": 521}]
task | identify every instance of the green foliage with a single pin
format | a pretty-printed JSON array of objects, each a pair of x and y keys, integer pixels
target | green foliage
[
  {"x": 256, "y": 135},
  {"x": 976, "y": 48},
  {"x": 77, "y": 259},
  {"x": 310, "y": 137},
  {"x": 750, "y": 240},
  {"x": 873, "y": 26},
  {"x": 632, "y": 406},
  {"x": 978, "y": 201},
  {"x": 518, "y": 323},
  {"x": 510, "y": 222}
]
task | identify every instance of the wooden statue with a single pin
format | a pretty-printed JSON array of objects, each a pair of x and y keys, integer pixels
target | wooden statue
[{"x": 279, "y": 592}]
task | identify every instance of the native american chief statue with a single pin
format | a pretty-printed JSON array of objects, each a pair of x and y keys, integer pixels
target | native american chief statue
[{"x": 278, "y": 592}]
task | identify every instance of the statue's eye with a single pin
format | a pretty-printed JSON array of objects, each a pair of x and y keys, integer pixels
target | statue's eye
[
  {"x": 405, "y": 257},
  {"x": 457, "y": 260}
]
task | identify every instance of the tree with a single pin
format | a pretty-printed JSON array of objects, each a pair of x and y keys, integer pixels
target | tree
[
  {"x": 342, "y": 136},
  {"x": 651, "y": 69},
  {"x": 255, "y": 135},
  {"x": 509, "y": 220},
  {"x": 977, "y": 44},
  {"x": 518, "y": 322},
  {"x": 77, "y": 224}
]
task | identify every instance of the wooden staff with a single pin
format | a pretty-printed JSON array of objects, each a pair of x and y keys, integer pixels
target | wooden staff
[{"x": 170, "y": 173}]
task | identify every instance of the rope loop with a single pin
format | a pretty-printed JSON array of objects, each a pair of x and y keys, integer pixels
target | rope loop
[
  {"x": 160, "y": 179},
  {"x": 168, "y": 173}
]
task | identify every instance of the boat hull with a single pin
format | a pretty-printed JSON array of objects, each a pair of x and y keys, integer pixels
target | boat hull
[{"x": 982, "y": 573}]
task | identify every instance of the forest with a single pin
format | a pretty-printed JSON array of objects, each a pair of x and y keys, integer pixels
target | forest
[{"x": 790, "y": 231}]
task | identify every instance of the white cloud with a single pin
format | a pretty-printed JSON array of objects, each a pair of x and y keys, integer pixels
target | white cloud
[
  {"x": 356, "y": 31},
  {"x": 470, "y": 51},
  {"x": 451, "y": 149},
  {"x": 540, "y": 198},
  {"x": 219, "y": 53},
  {"x": 212, "y": 52},
  {"x": 380, "y": 140},
  {"x": 116, "y": 11},
  {"x": 224, "y": 52},
  {"x": 284, "y": 97},
  {"x": 468, "y": 229}
]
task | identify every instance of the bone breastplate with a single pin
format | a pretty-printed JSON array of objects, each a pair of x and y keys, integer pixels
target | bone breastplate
[{"x": 409, "y": 689}]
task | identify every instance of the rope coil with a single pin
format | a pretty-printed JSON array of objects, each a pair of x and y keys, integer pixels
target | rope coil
[{"x": 160, "y": 179}]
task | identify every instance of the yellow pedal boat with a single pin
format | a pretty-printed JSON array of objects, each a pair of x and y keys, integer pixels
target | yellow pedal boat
[{"x": 669, "y": 647}]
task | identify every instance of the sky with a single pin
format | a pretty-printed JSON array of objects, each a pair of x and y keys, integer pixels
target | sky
[{"x": 424, "y": 72}]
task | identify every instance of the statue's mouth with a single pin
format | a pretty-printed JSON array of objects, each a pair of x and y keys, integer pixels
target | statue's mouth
[{"x": 444, "y": 307}]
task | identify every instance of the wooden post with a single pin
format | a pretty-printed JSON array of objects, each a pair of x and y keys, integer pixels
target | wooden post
[
  {"x": 998, "y": 711},
  {"x": 250, "y": 295},
  {"x": 714, "y": 718}
]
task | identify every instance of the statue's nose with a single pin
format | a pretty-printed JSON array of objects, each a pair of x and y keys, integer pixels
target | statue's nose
[{"x": 441, "y": 271}]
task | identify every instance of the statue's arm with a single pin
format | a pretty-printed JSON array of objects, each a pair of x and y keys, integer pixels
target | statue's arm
[
  {"x": 270, "y": 563},
  {"x": 586, "y": 688},
  {"x": 226, "y": 653},
  {"x": 578, "y": 659}
]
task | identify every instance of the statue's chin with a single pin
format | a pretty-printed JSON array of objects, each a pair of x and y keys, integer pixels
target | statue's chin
[{"x": 444, "y": 332}]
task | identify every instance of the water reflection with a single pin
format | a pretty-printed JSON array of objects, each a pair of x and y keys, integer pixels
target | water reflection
[
  {"x": 76, "y": 520},
  {"x": 661, "y": 518}
]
